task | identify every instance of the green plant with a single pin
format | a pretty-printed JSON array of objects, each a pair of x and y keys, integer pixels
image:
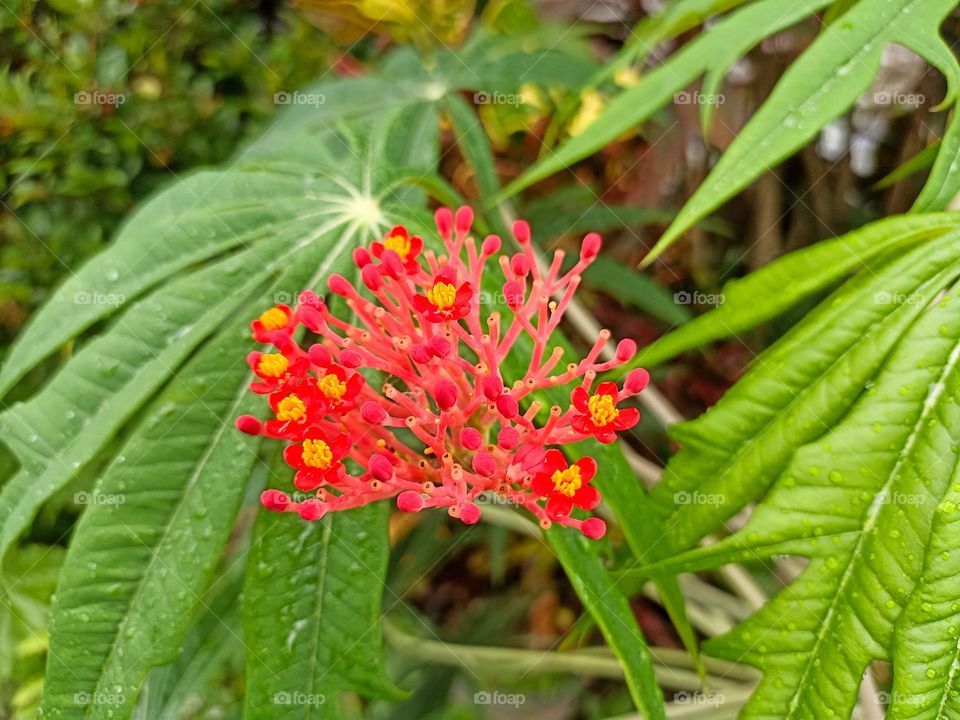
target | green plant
[{"x": 844, "y": 432}]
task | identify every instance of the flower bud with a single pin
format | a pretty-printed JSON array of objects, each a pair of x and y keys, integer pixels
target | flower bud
[
  {"x": 380, "y": 467},
  {"x": 520, "y": 265},
  {"x": 361, "y": 257},
  {"x": 371, "y": 277},
  {"x": 636, "y": 381},
  {"x": 484, "y": 464},
  {"x": 373, "y": 413},
  {"x": 508, "y": 406},
  {"x": 508, "y": 438},
  {"x": 513, "y": 293},
  {"x": 445, "y": 393},
  {"x": 590, "y": 247},
  {"x": 594, "y": 528},
  {"x": 470, "y": 438},
  {"x": 275, "y": 500},
  {"x": 409, "y": 501},
  {"x": 626, "y": 349},
  {"x": 463, "y": 219},
  {"x": 248, "y": 424},
  {"x": 420, "y": 353},
  {"x": 492, "y": 387},
  {"x": 444, "y": 219},
  {"x": 320, "y": 356},
  {"x": 351, "y": 358},
  {"x": 340, "y": 285},
  {"x": 491, "y": 245},
  {"x": 392, "y": 263},
  {"x": 440, "y": 347},
  {"x": 469, "y": 513},
  {"x": 311, "y": 317},
  {"x": 308, "y": 298},
  {"x": 521, "y": 231},
  {"x": 312, "y": 509}
]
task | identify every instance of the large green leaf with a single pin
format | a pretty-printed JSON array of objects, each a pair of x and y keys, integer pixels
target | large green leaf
[
  {"x": 720, "y": 46},
  {"x": 312, "y": 612},
  {"x": 861, "y": 501},
  {"x": 943, "y": 184},
  {"x": 823, "y": 83},
  {"x": 776, "y": 287},
  {"x": 794, "y": 393}
]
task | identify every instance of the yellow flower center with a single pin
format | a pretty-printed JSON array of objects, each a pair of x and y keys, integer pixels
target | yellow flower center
[
  {"x": 332, "y": 387},
  {"x": 399, "y": 244},
  {"x": 602, "y": 409},
  {"x": 568, "y": 481},
  {"x": 317, "y": 454},
  {"x": 291, "y": 408},
  {"x": 442, "y": 295},
  {"x": 272, "y": 365},
  {"x": 274, "y": 319}
]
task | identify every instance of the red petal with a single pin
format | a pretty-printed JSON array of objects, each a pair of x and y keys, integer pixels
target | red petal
[
  {"x": 627, "y": 418},
  {"x": 464, "y": 293},
  {"x": 340, "y": 446},
  {"x": 542, "y": 484},
  {"x": 605, "y": 435},
  {"x": 580, "y": 399},
  {"x": 399, "y": 230},
  {"x": 583, "y": 424},
  {"x": 293, "y": 455},
  {"x": 607, "y": 388},
  {"x": 553, "y": 461},
  {"x": 587, "y": 498},
  {"x": 416, "y": 245},
  {"x": 588, "y": 468},
  {"x": 558, "y": 506}
]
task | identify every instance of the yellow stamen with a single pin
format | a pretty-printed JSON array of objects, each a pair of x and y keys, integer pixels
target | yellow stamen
[
  {"x": 274, "y": 319},
  {"x": 399, "y": 244},
  {"x": 291, "y": 408},
  {"x": 272, "y": 365},
  {"x": 317, "y": 454},
  {"x": 442, "y": 295},
  {"x": 568, "y": 481},
  {"x": 332, "y": 387},
  {"x": 602, "y": 409}
]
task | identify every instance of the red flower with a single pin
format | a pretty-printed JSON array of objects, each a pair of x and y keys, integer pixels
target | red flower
[
  {"x": 275, "y": 369},
  {"x": 444, "y": 300},
  {"x": 601, "y": 417},
  {"x": 296, "y": 407},
  {"x": 565, "y": 486},
  {"x": 406, "y": 248},
  {"x": 317, "y": 460},
  {"x": 336, "y": 391},
  {"x": 275, "y": 325}
]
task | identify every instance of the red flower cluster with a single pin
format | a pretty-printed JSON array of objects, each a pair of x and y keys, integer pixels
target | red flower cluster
[{"x": 408, "y": 401}]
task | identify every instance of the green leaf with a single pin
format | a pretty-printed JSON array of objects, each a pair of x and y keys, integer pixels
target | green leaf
[
  {"x": 826, "y": 80},
  {"x": 943, "y": 183},
  {"x": 312, "y": 612},
  {"x": 776, "y": 287},
  {"x": 156, "y": 524},
  {"x": 794, "y": 393},
  {"x": 861, "y": 501},
  {"x": 612, "y": 612},
  {"x": 634, "y": 289},
  {"x": 721, "y": 45}
]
